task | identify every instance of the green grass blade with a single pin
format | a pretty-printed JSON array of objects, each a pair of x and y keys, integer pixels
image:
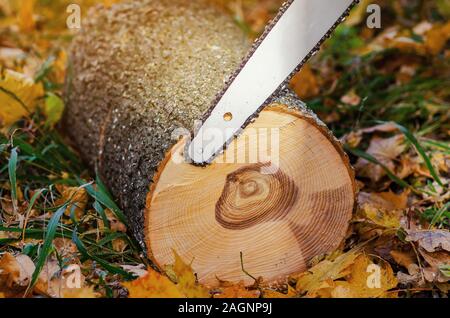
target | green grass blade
[
  {"x": 102, "y": 195},
  {"x": 29, "y": 208},
  {"x": 370, "y": 158},
  {"x": 84, "y": 252},
  {"x": 410, "y": 136},
  {"x": 48, "y": 243},
  {"x": 12, "y": 167}
]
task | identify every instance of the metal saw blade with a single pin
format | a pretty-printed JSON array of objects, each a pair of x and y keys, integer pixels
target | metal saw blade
[{"x": 288, "y": 43}]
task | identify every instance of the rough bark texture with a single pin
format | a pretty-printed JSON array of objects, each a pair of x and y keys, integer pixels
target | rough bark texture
[{"x": 138, "y": 71}]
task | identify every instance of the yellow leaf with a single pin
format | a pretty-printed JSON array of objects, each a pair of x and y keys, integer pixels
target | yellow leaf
[
  {"x": 236, "y": 291},
  {"x": 359, "y": 283},
  {"x": 84, "y": 292},
  {"x": 18, "y": 96},
  {"x": 269, "y": 293},
  {"x": 351, "y": 275},
  {"x": 109, "y": 3},
  {"x": 381, "y": 217},
  {"x": 156, "y": 285},
  {"x": 358, "y": 13},
  {"x": 54, "y": 108},
  {"x": 327, "y": 269},
  {"x": 153, "y": 285},
  {"x": 15, "y": 274},
  {"x": 385, "y": 200},
  {"x": 26, "y": 16},
  {"x": 436, "y": 38},
  {"x": 187, "y": 282}
]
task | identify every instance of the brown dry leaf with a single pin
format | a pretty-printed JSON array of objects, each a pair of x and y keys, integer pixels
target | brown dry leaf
[
  {"x": 236, "y": 291},
  {"x": 187, "y": 282},
  {"x": 137, "y": 270},
  {"x": 385, "y": 200},
  {"x": 77, "y": 197},
  {"x": 18, "y": 96},
  {"x": 15, "y": 271},
  {"x": 114, "y": 223},
  {"x": 404, "y": 259},
  {"x": 435, "y": 261},
  {"x": 153, "y": 285},
  {"x": 385, "y": 150},
  {"x": 351, "y": 98},
  {"x": 386, "y": 127},
  {"x": 430, "y": 240},
  {"x": 119, "y": 245},
  {"x": 412, "y": 165},
  {"x": 305, "y": 83},
  {"x": 65, "y": 247}
]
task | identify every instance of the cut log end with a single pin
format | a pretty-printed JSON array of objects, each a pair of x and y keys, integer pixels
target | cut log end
[{"x": 282, "y": 193}]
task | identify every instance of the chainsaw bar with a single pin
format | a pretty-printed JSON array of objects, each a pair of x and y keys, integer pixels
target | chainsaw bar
[{"x": 190, "y": 149}]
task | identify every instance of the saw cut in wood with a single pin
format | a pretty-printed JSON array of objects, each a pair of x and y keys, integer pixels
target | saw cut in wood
[{"x": 142, "y": 71}]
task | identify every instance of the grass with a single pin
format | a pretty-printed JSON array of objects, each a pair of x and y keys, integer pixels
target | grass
[{"x": 33, "y": 161}]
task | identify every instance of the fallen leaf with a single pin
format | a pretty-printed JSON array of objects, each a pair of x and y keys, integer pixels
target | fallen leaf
[
  {"x": 114, "y": 223},
  {"x": 351, "y": 98},
  {"x": 404, "y": 259},
  {"x": 380, "y": 217},
  {"x": 359, "y": 285},
  {"x": 385, "y": 150},
  {"x": 270, "y": 293},
  {"x": 84, "y": 292},
  {"x": 436, "y": 261},
  {"x": 26, "y": 16},
  {"x": 430, "y": 240},
  {"x": 54, "y": 108},
  {"x": 136, "y": 270},
  {"x": 385, "y": 200},
  {"x": 153, "y": 285},
  {"x": 156, "y": 285},
  {"x": 18, "y": 96},
  {"x": 16, "y": 271},
  {"x": 65, "y": 248},
  {"x": 236, "y": 291},
  {"x": 187, "y": 282},
  {"x": 436, "y": 38},
  {"x": 310, "y": 281},
  {"x": 76, "y": 196},
  {"x": 386, "y": 127}
]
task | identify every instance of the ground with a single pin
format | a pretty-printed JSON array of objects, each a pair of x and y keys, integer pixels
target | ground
[{"x": 384, "y": 92}]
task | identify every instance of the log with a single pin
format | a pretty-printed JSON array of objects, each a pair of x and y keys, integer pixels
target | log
[{"x": 141, "y": 70}]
